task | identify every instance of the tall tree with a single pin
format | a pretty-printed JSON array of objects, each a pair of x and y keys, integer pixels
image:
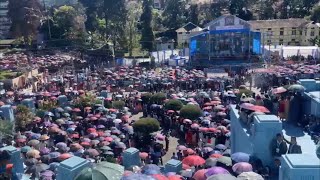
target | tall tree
[
  {"x": 174, "y": 14},
  {"x": 315, "y": 15},
  {"x": 236, "y": 6},
  {"x": 194, "y": 14},
  {"x": 134, "y": 12},
  {"x": 217, "y": 7},
  {"x": 91, "y": 9},
  {"x": 69, "y": 21},
  {"x": 115, "y": 15},
  {"x": 25, "y": 16},
  {"x": 147, "y": 36},
  {"x": 266, "y": 10}
]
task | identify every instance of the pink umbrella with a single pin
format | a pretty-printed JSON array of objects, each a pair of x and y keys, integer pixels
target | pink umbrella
[
  {"x": 278, "y": 90},
  {"x": 200, "y": 175},
  {"x": 246, "y": 106},
  {"x": 242, "y": 167},
  {"x": 195, "y": 126},
  {"x": 143, "y": 155},
  {"x": 187, "y": 121},
  {"x": 181, "y": 147},
  {"x": 160, "y": 137}
]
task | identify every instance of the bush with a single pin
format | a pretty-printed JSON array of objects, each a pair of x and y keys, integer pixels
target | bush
[
  {"x": 190, "y": 112},
  {"x": 158, "y": 98},
  {"x": 174, "y": 104},
  {"x": 247, "y": 92},
  {"x": 23, "y": 116},
  {"x": 146, "y": 125},
  {"x": 146, "y": 97},
  {"x": 118, "y": 104}
]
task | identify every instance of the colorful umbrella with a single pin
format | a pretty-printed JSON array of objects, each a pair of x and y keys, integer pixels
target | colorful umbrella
[
  {"x": 249, "y": 176},
  {"x": 151, "y": 169},
  {"x": 216, "y": 170},
  {"x": 193, "y": 160},
  {"x": 222, "y": 177},
  {"x": 241, "y": 167},
  {"x": 200, "y": 175},
  {"x": 240, "y": 157},
  {"x": 143, "y": 155}
]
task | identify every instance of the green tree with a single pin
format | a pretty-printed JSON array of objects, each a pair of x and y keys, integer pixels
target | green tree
[
  {"x": 146, "y": 98},
  {"x": 134, "y": 12},
  {"x": 91, "y": 9},
  {"x": 25, "y": 18},
  {"x": 236, "y": 6},
  {"x": 69, "y": 21},
  {"x": 147, "y": 36},
  {"x": 158, "y": 98},
  {"x": 146, "y": 126},
  {"x": 115, "y": 15},
  {"x": 118, "y": 104},
  {"x": 6, "y": 129},
  {"x": 174, "y": 14},
  {"x": 190, "y": 112},
  {"x": 23, "y": 116},
  {"x": 193, "y": 14},
  {"x": 315, "y": 15},
  {"x": 173, "y": 104},
  {"x": 266, "y": 10}
]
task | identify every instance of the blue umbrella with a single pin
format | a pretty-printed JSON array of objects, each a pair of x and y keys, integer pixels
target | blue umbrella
[
  {"x": 151, "y": 169},
  {"x": 68, "y": 108},
  {"x": 240, "y": 157},
  {"x": 59, "y": 109},
  {"x": 54, "y": 155},
  {"x": 220, "y": 147}
]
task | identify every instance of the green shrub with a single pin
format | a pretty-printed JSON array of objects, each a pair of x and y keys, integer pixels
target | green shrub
[
  {"x": 247, "y": 92},
  {"x": 146, "y": 97},
  {"x": 146, "y": 125},
  {"x": 23, "y": 116},
  {"x": 190, "y": 112},
  {"x": 158, "y": 98},
  {"x": 174, "y": 104},
  {"x": 118, "y": 104}
]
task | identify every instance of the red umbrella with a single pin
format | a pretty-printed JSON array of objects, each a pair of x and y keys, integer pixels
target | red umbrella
[
  {"x": 212, "y": 130},
  {"x": 87, "y": 144},
  {"x": 203, "y": 129},
  {"x": 193, "y": 160},
  {"x": 91, "y": 130},
  {"x": 109, "y": 139},
  {"x": 159, "y": 177},
  {"x": 93, "y": 118},
  {"x": 185, "y": 166},
  {"x": 64, "y": 156},
  {"x": 10, "y": 93},
  {"x": 260, "y": 109},
  {"x": 125, "y": 118},
  {"x": 112, "y": 110},
  {"x": 207, "y": 108},
  {"x": 189, "y": 151},
  {"x": 175, "y": 177},
  {"x": 246, "y": 106},
  {"x": 216, "y": 156},
  {"x": 143, "y": 155}
]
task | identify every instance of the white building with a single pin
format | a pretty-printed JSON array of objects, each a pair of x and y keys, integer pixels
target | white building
[
  {"x": 5, "y": 22},
  {"x": 163, "y": 44},
  {"x": 185, "y": 32}
]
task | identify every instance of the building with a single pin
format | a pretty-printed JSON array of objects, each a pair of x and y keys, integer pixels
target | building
[
  {"x": 225, "y": 40},
  {"x": 163, "y": 44},
  {"x": 5, "y": 22},
  {"x": 292, "y": 32},
  {"x": 185, "y": 32}
]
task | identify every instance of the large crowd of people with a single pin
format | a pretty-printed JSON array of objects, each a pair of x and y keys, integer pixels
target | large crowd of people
[{"x": 90, "y": 124}]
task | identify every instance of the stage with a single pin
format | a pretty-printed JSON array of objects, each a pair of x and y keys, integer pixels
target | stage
[{"x": 228, "y": 40}]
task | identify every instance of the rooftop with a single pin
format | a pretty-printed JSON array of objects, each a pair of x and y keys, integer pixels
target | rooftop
[{"x": 278, "y": 23}]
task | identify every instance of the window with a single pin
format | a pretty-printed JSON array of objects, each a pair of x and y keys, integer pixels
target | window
[
  {"x": 281, "y": 41},
  {"x": 281, "y": 29},
  {"x": 294, "y": 32},
  {"x": 293, "y": 40},
  {"x": 169, "y": 46},
  {"x": 258, "y": 29},
  {"x": 269, "y": 29},
  {"x": 187, "y": 32},
  {"x": 312, "y": 33},
  {"x": 179, "y": 32},
  {"x": 269, "y": 41},
  {"x": 281, "y": 33},
  {"x": 300, "y": 33}
]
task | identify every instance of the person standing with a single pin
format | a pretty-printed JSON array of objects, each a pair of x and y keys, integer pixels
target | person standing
[
  {"x": 294, "y": 148},
  {"x": 167, "y": 142},
  {"x": 279, "y": 146}
]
